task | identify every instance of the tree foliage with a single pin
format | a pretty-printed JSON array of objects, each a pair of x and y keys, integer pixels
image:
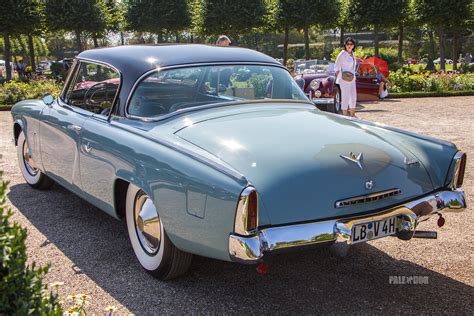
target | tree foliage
[
  {"x": 75, "y": 16},
  {"x": 234, "y": 17},
  {"x": 375, "y": 14},
  {"x": 155, "y": 16},
  {"x": 443, "y": 15}
]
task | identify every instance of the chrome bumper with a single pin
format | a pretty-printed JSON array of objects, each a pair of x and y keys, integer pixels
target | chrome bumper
[
  {"x": 251, "y": 249},
  {"x": 323, "y": 101}
]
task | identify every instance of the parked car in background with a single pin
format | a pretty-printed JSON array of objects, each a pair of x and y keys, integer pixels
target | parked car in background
[
  {"x": 216, "y": 151},
  {"x": 412, "y": 61},
  {"x": 317, "y": 79}
]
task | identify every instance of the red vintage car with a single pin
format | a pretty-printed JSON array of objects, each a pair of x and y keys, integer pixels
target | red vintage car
[{"x": 317, "y": 79}]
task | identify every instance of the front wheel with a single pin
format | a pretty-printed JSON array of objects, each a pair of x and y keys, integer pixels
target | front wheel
[
  {"x": 152, "y": 246},
  {"x": 336, "y": 106},
  {"x": 33, "y": 176}
]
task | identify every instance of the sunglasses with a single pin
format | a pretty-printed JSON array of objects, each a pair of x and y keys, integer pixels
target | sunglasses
[{"x": 349, "y": 44}]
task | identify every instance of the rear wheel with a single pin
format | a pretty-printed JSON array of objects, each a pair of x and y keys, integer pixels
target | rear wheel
[
  {"x": 336, "y": 106},
  {"x": 33, "y": 176},
  {"x": 152, "y": 246}
]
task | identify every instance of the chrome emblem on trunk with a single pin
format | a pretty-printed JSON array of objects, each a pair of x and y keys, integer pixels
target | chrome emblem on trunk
[
  {"x": 369, "y": 185},
  {"x": 353, "y": 158}
]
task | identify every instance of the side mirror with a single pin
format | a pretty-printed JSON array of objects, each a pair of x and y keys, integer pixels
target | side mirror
[{"x": 48, "y": 99}]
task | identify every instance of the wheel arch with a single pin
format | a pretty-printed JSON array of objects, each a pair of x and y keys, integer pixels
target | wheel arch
[{"x": 17, "y": 128}]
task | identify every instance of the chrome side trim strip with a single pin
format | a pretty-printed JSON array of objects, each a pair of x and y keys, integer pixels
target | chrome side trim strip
[
  {"x": 368, "y": 198},
  {"x": 251, "y": 249}
]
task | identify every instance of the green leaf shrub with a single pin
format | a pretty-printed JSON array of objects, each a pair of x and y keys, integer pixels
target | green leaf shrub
[
  {"x": 15, "y": 91},
  {"x": 22, "y": 291},
  {"x": 405, "y": 81}
]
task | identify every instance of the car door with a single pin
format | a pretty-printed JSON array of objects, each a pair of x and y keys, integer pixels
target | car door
[
  {"x": 60, "y": 130},
  {"x": 98, "y": 141},
  {"x": 367, "y": 83}
]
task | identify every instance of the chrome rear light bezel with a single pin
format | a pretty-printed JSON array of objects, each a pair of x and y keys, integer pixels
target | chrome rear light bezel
[
  {"x": 457, "y": 170},
  {"x": 241, "y": 214}
]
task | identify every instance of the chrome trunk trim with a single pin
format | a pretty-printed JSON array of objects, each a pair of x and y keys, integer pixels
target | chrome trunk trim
[{"x": 368, "y": 198}]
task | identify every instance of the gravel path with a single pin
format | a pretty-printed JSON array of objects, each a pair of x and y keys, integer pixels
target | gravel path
[{"x": 89, "y": 251}]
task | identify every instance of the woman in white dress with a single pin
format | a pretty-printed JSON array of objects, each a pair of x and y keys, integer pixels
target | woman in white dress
[{"x": 345, "y": 77}]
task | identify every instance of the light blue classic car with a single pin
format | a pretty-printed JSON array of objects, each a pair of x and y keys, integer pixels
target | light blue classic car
[{"x": 216, "y": 151}]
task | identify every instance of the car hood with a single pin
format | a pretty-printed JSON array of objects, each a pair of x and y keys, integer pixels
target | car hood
[{"x": 293, "y": 157}]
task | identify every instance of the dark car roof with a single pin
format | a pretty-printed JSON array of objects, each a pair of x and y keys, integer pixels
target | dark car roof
[{"x": 141, "y": 58}]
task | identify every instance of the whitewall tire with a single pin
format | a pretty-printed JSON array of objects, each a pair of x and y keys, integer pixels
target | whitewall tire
[
  {"x": 153, "y": 249},
  {"x": 33, "y": 176}
]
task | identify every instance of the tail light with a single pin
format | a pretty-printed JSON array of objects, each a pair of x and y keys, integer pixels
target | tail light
[
  {"x": 246, "y": 216},
  {"x": 458, "y": 169}
]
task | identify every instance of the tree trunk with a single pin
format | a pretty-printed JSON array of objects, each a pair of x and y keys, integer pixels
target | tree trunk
[
  {"x": 31, "y": 48},
  {"x": 78, "y": 41},
  {"x": 306, "y": 43},
  {"x": 341, "y": 39},
  {"x": 376, "y": 41},
  {"x": 160, "y": 36},
  {"x": 455, "y": 51},
  {"x": 8, "y": 58},
  {"x": 400, "y": 43},
  {"x": 442, "y": 62},
  {"x": 192, "y": 39},
  {"x": 122, "y": 38},
  {"x": 285, "y": 45},
  {"x": 177, "y": 37},
  {"x": 96, "y": 42}
]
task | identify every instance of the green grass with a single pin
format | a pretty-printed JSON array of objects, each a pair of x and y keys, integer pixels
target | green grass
[{"x": 421, "y": 94}]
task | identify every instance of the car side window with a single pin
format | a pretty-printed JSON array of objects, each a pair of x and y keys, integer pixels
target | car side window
[{"x": 94, "y": 88}]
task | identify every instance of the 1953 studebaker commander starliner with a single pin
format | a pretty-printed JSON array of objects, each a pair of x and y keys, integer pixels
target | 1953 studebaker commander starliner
[{"x": 216, "y": 151}]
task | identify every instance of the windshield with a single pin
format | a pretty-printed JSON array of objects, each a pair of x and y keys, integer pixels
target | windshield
[
  {"x": 314, "y": 67},
  {"x": 167, "y": 91}
]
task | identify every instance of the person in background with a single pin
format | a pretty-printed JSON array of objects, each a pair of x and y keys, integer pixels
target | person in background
[
  {"x": 223, "y": 41},
  {"x": 383, "y": 86},
  {"x": 345, "y": 77}
]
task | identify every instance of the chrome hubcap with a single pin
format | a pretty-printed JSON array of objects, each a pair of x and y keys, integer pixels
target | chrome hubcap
[
  {"x": 28, "y": 161},
  {"x": 147, "y": 224}
]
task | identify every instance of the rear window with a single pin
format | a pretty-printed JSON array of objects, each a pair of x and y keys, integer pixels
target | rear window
[{"x": 167, "y": 91}]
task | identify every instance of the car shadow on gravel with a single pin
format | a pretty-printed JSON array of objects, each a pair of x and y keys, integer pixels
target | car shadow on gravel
[{"x": 309, "y": 282}]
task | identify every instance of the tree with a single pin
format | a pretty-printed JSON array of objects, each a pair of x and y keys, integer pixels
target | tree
[
  {"x": 236, "y": 17},
  {"x": 442, "y": 15},
  {"x": 75, "y": 16},
  {"x": 286, "y": 16},
  {"x": 323, "y": 13},
  {"x": 155, "y": 16},
  {"x": 375, "y": 14},
  {"x": 18, "y": 17}
]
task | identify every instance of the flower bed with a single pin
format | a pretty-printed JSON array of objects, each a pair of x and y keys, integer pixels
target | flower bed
[{"x": 403, "y": 80}]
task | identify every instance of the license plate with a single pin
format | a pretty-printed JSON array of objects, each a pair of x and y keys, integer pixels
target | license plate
[{"x": 373, "y": 230}]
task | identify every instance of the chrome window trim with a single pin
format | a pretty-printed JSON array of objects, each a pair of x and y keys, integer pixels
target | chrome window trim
[
  {"x": 77, "y": 65},
  {"x": 368, "y": 198},
  {"x": 67, "y": 82},
  {"x": 199, "y": 107}
]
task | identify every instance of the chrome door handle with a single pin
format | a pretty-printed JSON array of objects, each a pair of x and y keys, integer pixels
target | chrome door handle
[
  {"x": 74, "y": 127},
  {"x": 87, "y": 147}
]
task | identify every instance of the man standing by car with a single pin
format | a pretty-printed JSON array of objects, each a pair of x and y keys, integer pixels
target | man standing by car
[{"x": 223, "y": 41}]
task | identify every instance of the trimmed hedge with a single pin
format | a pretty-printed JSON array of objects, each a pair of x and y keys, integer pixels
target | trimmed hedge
[
  {"x": 422, "y": 94},
  {"x": 16, "y": 91},
  {"x": 22, "y": 291}
]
